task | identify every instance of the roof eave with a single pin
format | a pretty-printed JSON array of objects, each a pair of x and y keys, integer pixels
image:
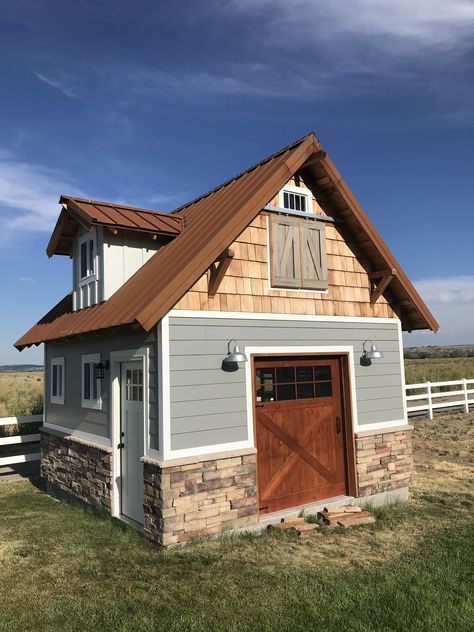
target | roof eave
[{"x": 384, "y": 252}]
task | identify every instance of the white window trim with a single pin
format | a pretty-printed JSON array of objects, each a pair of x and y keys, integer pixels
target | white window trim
[
  {"x": 91, "y": 278},
  {"x": 96, "y": 404},
  {"x": 290, "y": 188},
  {"x": 57, "y": 399}
]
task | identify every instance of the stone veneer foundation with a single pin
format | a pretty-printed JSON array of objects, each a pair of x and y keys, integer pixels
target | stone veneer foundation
[
  {"x": 72, "y": 467},
  {"x": 384, "y": 460},
  {"x": 203, "y": 497}
]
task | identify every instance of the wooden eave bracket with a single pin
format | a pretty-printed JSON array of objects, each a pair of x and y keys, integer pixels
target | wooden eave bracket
[
  {"x": 385, "y": 277},
  {"x": 316, "y": 157},
  {"x": 218, "y": 270}
]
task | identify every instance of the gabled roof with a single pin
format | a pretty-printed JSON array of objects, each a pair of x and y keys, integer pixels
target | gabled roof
[
  {"x": 213, "y": 221},
  {"x": 80, "y": 212}
]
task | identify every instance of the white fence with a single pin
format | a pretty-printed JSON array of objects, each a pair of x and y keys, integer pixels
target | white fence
[
  {"x": 428, "y": 401},
  {"x": 19, "y": 439}
]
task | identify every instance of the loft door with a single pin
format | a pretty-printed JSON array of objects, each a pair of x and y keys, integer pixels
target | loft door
[{"x": 299, "y": 431}]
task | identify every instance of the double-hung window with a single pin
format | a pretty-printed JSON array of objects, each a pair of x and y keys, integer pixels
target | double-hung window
[
  {"x": 57, "y": 380},
  {"x": 87, "y": 258},
  {"x": 91, "y": 395}
]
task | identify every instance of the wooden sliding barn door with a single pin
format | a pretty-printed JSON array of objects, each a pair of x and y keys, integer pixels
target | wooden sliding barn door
[{"x": 299, "y": 431}]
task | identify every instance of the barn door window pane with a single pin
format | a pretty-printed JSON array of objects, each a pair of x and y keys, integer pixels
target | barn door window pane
[
  {"x": 305, "y": 391},
  {"x": 300, "y": 381},
  {"x": 324, "y": 389},
  {"x": 285, "y": 374},
  {"x": 304, "y": 373},
  {"x": 323, "y": 373},
  {"x": 286, "y": 391}
]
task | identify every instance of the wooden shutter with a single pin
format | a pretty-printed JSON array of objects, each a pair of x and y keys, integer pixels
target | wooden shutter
[
  {"x": 285, "y": 252},
  {"x": 313, "y": 256}
]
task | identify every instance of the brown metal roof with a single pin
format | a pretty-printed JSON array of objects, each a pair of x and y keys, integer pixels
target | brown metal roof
[
  {"x": 79, "y": 211},
  {"x": 213, "y": 222}
]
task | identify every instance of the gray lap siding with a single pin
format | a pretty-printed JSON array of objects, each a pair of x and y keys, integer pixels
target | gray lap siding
[
  {"x": 209, "y": 406},
  {"x": 72, "y": 415}
]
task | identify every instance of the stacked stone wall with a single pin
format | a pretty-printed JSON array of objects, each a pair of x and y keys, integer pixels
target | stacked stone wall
[
  {"x": 201, "y": 498},
  {"x": 384, "y": 461},
  {"x": 77, "y": 468}
]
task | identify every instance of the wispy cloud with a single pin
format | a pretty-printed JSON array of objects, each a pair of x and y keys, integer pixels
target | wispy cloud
[
  {"x": 364, "y": 46},
  {"x": 63, "y": 82},
  {"x": 451, "y": 300},
  {"x": 453, "y": 290},
  {"x": 392, "y": 25},
  {"x": 29, "y": 195},
  {"x": 26, "y": 279},
  {"x": 300, "y": 51}
]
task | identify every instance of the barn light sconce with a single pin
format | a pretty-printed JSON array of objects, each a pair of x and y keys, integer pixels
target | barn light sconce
[
  {"x": 100, "y": 369},
  {"x": 372, "y": 354},
  {"x": 235, "y": 355}
]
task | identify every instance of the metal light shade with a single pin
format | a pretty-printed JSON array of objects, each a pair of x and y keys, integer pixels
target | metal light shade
[
  {"x": 374, "y": 353},
  {"x": 235, "y": 355}
]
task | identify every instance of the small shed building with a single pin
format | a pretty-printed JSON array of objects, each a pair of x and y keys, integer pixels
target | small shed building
[{"x": 239, "y": 356}]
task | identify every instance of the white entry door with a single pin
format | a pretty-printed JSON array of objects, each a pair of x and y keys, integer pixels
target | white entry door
[{"x": 132, "y": 441}]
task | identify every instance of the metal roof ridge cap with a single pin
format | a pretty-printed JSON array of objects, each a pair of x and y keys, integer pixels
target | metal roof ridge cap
[{"x": 273, "y": 156}]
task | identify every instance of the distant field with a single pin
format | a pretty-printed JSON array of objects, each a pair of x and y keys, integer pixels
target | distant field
[
  {"x": 21, "y": 393},
  {"x": 438, "y": 369}
]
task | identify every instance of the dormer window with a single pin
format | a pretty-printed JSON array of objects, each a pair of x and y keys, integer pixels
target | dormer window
[
  {"x": 87, "y": 258},
  {"x": 295, "y": 199},
  {"x": 86, "y": 271}
]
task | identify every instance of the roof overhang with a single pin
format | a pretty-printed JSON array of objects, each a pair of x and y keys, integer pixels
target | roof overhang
[
  {"x": 78, "y": 212},
  {"x": 213, "y": 222}
]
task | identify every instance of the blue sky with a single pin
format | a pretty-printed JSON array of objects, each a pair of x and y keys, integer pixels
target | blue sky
[{"x": 152, "y": 103}]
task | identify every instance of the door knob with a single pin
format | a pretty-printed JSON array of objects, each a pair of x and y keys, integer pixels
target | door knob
[{"x": 338, "y": 425}]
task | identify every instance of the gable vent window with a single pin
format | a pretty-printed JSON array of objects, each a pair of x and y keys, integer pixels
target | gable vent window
[
  {"x": 294, "y": 201},
  {"x": 298, "y": 254},
  {"x": 90, "y": 384},
  {"x": 295, "y": 198}
]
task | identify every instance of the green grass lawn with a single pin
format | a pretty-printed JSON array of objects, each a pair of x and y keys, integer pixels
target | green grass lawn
[{"x": 63, "y": 568}]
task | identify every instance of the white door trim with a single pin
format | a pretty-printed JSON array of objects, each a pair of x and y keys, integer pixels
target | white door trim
[
  {"x": 347, "y": 350},
  {"x": 116, "y": 358}
]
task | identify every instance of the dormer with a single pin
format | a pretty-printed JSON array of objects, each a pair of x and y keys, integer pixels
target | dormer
[{"x": 107, "y": 243}]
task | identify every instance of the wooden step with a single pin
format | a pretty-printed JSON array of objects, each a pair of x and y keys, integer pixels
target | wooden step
[{"x": 356, "y": 519}]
